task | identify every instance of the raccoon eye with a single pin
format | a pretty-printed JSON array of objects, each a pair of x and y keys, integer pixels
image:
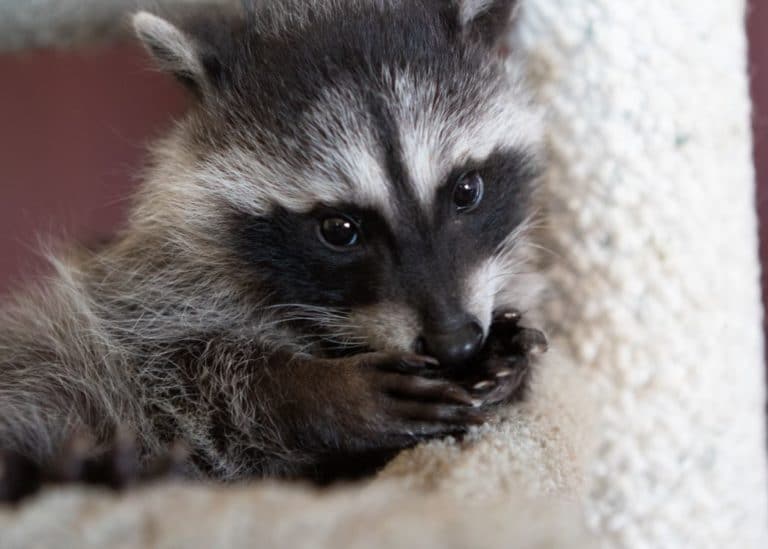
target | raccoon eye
[
  {"x": 468, "y": 192},
  {"x": 339, "y": 232}
]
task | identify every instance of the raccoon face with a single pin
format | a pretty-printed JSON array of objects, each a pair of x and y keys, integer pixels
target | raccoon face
[{"x": 369, "y": 164}]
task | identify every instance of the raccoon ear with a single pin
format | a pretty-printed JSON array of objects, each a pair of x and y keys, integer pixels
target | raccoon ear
[
  {"x": 172, "y": 49},
  {"x": 488, "y": 21}
]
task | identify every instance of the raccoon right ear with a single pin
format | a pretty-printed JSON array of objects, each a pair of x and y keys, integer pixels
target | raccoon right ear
[
  {"x": 488, "y": 21},
  {"x": 172, "y": 49}
]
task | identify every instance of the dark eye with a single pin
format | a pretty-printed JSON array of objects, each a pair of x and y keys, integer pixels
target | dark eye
[
  {"x": 468, "y": 192},
  {"x": 339, "y": 232}
]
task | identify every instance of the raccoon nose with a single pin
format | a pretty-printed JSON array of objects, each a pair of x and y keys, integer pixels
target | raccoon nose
[{"x": 453, "y": 347}]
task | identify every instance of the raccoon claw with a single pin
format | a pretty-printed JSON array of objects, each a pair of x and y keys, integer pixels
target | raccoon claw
[
  {"x": 503, "y": 373},
  {"x": 426, "y": 390},
  {"x": 451, "y": 415},
  {"x": 413, "y": 377},
  {"x": 484, "y": 386},
  {"x": 508, "y": 338},
  {"x": 531, "y": 342},
  {"x": 512, "y": 316},
  {"x": 509, "y": 388},
  {"x": 414, "y": 364},
  {"x": 412, "y": 400}
]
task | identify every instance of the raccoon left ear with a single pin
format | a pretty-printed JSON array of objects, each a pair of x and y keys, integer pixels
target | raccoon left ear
[
  {"x": 488, "y": 21},
  {"x": 171, "y": 48}
]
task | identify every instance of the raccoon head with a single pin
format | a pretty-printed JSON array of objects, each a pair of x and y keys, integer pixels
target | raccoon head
[{"x": 363, "y": 168}]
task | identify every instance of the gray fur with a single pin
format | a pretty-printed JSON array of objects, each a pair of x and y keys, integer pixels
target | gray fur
[{"x": 164, "y": 332}]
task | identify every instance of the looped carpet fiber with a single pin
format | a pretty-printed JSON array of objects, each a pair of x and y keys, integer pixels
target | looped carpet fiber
[{"x": 646, "y": 427}]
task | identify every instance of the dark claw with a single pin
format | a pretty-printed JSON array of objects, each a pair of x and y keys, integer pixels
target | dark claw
[
  {"x": 459, "y": 396},
  {"x": 497, "y": 367},
  {"x": 407, "y": 434},
  {"x": 509, "y": 389},
  {"x": 484, "y": 386},
  {"x": 420, "y": 361},
  {"x": 508, "y": 338},
  {"x": 412, "y": 364},
  {"x": 425, "y": 389},
  {"x": 531, "y": 341},
  {"x": 440, "y": 413},
  {"x": 512, "y": 316}
]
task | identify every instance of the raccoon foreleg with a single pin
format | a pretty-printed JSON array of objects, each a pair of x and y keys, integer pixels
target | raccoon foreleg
[{"x": 366, "y": 402}]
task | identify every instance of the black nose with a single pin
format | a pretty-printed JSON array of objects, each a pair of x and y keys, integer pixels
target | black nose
[{"x": 455, "y": 346}]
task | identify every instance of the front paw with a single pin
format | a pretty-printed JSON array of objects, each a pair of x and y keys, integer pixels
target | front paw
[
  {"x": 116, "y": 465},
  {"x": 504, "y": 368},
  {"x": 360, "y": 411},
  {"x": 413, "y": 396},
  {"x": 507, "y": 337},
  {"x": 394, "y": 401}
]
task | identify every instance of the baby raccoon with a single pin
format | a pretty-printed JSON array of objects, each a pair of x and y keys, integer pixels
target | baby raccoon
[{"x": 326, "y": 257}]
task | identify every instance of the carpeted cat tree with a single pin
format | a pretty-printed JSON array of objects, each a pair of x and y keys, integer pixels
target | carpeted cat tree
[{"x": 647, "y": 425}]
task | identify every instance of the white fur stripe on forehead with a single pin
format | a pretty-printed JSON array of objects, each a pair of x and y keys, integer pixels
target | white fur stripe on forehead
[
  {"x": 257, "y": 184},
  {"x": 470, "y": 8},
  {"x": 436, "y": 141},
  {"x": 346, "y": 145},
  {"x": 340, "y": 166}
]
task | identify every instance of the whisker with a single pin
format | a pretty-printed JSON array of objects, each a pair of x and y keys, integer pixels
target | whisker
[
  {"x": 335, "y": 331},
  {"x": 542, "y": 248}
]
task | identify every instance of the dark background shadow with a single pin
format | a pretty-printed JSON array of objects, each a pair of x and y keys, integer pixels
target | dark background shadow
[{"x": 757, "y": 25}]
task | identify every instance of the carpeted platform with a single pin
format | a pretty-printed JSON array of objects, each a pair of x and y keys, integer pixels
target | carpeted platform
[{"x": 647, "y": 425}]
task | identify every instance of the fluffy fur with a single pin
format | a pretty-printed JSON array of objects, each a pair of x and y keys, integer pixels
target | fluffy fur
[{"x": 212, "y": 318}]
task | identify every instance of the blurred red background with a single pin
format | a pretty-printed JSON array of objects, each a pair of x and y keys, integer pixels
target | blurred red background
[
  {"x": 72, "y": 140},
  {"x": 74, "y": 127}
]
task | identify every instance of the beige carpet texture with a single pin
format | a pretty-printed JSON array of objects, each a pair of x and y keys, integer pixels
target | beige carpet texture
[{"x": 646, "y": 425}]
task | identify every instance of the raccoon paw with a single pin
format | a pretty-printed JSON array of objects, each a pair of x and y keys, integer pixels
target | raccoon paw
[
  {"x": 412, "y": 399},
  {"x": 506, "y": 362},
  {"x": 508, "y": 338},
  {"x": 117, "y": 466},
  {"x": 372, "y": 407}
]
